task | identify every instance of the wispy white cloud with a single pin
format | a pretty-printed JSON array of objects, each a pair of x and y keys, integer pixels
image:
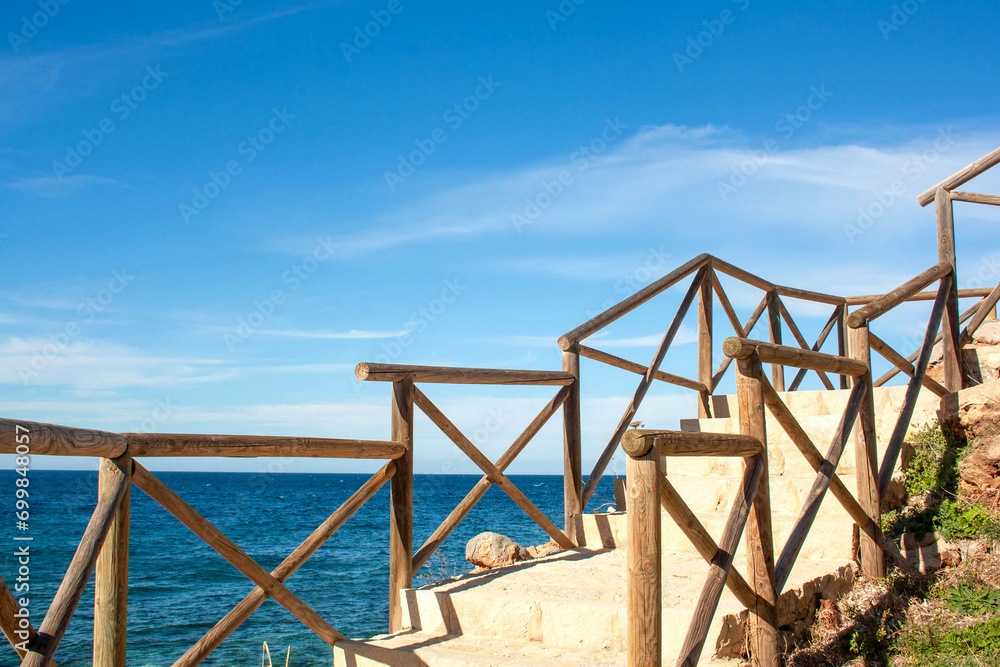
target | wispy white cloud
[
  {"x": 669, "y": 174},
  {"x": 353, "y": 334},
  {"x": 52, "y": 187},
  {"x": 30, "y": 79},
  {"x": 87, "y": 364}
]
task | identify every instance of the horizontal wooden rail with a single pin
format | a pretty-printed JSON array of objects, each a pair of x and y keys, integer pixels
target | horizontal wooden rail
[
  {"x": 60, "y": 440},
  {"x": 639, "y": 369},
  {"x": 962, "y": 176},
  {"x": 182, "y": 444},
  {"x": 972, "y": 293},
  {"x": 975, "y": 198},
  {"x": 637, "y": 442},
  {"x": 445, "y": 375},
  {"x": 890, "y": 300},
  {"x": 631, "y": 303},
  {"x": 741, "y": 348},
  {"x": 808, "y": 295}
]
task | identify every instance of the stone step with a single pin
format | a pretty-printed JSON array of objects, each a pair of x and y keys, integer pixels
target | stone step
[
  {"x": 784, "y": 458},
  {"x": 419, "y": 649},
  {"x": 568, "y": 608},
  {"x": 817, "y": 402},
  {"x": 717, "y": 493},
  {"x": 830, "y": 538}
]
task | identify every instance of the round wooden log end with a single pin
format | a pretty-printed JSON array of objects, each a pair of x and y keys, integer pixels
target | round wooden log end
[
  {"x": 635, "y": 445},
  {"x": 361, "y": 371},
  {"x": 565, "y": 343},
  {"x": 856, "y": 319},
  {"x": 733, "y": 347}
]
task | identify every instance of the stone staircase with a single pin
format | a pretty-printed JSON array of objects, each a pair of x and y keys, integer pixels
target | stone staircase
[{"x": 569, "y": 608}]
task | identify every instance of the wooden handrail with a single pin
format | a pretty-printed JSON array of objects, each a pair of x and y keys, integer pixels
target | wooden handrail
[
  {"x": 639, "y": 369},
  {"x": 975, "y": 292},
  {"x": 808, "y": 295},
  {"x": 643, "y": 387},
  {"x": 625, "y": 306},
  {"x": 959, "y": 177},
  {"x": 637, "y": 442},
  {"x": 367, "y": 372},
  {"x": 975, "y": 198},
  {"x": 742, "y": 348},
  {"x": 890, "y": 300},
  {"x": 183, "y": 444},
  {"x": 988, "y": 304},
  {"x": 61, "y": 440}
]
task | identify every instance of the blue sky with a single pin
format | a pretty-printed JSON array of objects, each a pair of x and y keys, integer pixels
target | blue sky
[{"x": 212, "y": 211}]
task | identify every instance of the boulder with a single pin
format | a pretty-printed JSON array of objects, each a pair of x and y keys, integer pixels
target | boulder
[
  {"x": 973, "y": 408},
  {"x": 490, "y": 550},
  {"x": 980, "y": 467}
]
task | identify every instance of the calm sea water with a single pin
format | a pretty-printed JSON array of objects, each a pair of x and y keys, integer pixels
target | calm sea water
[{"x": 179, "y": 588}]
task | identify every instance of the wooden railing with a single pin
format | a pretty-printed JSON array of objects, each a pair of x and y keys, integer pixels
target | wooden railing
[
  {"x": 105, "y": 542},
  {"x": 648, "y": 488},
  {"x": 405, "y": 395},
  {"x": 104, "y": 545}
]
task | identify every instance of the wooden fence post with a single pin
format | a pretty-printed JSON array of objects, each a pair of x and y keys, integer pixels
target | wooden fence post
[
  {"x": 760, "y": 542},
  {"x": 774, "y": 332},
  {"x": 401, "y": 506},
  {"x": 842, "y": 340},
  {"x": 866, "y": 455},
  {"x": 111, "y": 578},
  {"x": 645, "y": 611},
  {"x": 572, "y": 451},
  {"x": 950, "y": 341},
  {"x": 705, "y": 370}
]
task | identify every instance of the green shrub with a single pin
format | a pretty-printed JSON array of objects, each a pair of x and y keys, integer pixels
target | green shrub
[
  {"x": 935, "y": 460},
  {"x": 955, "y": 647},
  {"x": 973, "y": 599},
  {"x": 958, "y": 520}
]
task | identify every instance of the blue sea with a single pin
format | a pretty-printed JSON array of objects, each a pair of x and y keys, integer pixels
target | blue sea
[{"x": 179, "y": 587}]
